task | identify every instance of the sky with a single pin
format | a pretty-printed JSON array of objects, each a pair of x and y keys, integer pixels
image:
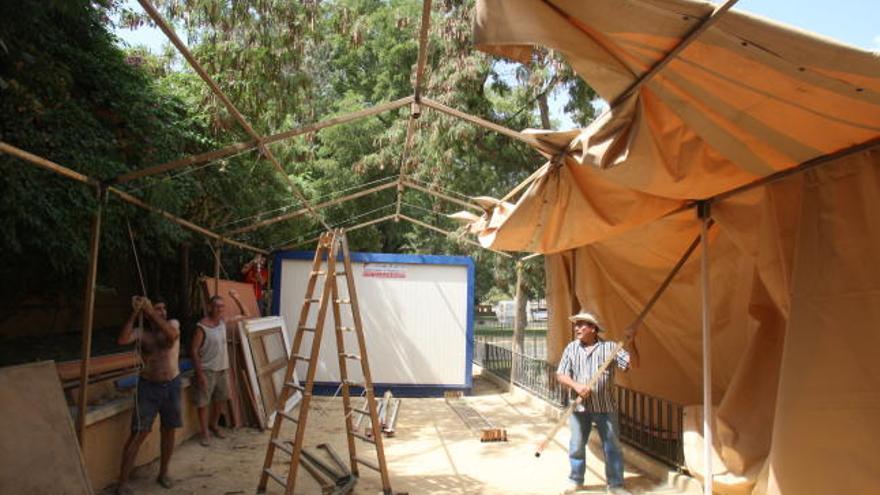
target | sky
[{"x": 854, "y": 22}]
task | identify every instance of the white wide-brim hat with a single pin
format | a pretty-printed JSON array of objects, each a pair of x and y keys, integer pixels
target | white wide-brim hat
[{"x": 588, "y": 317}]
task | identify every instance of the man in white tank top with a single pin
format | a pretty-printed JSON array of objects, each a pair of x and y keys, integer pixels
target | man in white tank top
[{"x": 211, "y": 360}]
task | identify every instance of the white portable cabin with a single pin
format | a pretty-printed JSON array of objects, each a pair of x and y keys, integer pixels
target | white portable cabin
[{"x": 417, "y": 312}]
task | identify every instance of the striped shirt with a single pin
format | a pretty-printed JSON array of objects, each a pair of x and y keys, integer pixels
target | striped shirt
[{"x": 581, "y": 362}]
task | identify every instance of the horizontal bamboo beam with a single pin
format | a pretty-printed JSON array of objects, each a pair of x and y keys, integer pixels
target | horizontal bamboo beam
[
  {"x": 186, "y": 161},
  {"x": 440, "y": 195},
  {"x": 356, "y": 227},
  {"x": 341, "y": 119},
  {"x": 249, "y": 145},
  {"x": 46, "y": 164},
  {"x": 436, "y": 105},
  {"x": 128, "y": 198},
  {"x": 302, "y": 211},
  {"x": 447, "y": 233}
]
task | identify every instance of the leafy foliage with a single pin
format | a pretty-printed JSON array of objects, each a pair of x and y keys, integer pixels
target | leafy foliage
[{"x": 69, "y": 93}]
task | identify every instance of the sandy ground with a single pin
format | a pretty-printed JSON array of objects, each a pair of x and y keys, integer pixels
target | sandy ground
[{"x": 432, "y": 452}]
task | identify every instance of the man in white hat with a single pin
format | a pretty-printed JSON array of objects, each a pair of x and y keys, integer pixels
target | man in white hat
[{"x": 580, "y": 361}]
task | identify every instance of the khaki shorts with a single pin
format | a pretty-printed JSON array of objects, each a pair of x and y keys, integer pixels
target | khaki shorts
[{"x": 217, "y": 388}]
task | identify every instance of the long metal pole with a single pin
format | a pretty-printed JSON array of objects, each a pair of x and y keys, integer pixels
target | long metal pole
[
  {"x": 705, "y": 218},
  {"x": 89, "y": 316}
]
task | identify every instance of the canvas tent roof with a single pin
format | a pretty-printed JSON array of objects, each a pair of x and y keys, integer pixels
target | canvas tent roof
[{"x": 794, "y": 274}]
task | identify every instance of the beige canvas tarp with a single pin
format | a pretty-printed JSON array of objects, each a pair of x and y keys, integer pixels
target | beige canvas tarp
[{"x": 795, "y": 274}]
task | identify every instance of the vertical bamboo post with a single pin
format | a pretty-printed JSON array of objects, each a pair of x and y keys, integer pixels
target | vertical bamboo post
[
  {"x": 89, "y": 315},
  {"x": 185, "y": 303},
  {"x": 703, "y": 210},
  {"x": 217, "y": 249},
  {"x": 519, "y": 317}
]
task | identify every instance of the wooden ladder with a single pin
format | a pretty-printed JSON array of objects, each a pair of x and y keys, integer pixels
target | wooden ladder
[{"x": 324, "y": 264}]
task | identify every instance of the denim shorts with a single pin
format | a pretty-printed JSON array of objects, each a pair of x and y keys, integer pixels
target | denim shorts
[{"x": 162, "y": 398}]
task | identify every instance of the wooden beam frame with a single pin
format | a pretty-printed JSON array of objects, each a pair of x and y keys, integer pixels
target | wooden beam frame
[
  {"x": 181, "y": 47},
  {"x": 302, "y": 211},
  {"x": 128, "y": 198}
]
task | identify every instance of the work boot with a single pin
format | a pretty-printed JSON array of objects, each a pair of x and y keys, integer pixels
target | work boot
[{"x": 618, "y": 490}]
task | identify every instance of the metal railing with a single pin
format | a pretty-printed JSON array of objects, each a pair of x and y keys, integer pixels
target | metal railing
[{"x": 649, "y": 424}]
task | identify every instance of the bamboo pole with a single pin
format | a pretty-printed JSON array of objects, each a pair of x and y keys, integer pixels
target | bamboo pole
[
  {"x": 216, "y": 250},
  {"x": 128, "y": 198},
  {"x": 519, "y": 319},
  {"x": 705, "y": 219},
  {"x": 89, "y": 316},
  {"x": 46, "y": 164},
  {"x": 302, "y": 211},
  {"x": 447, "y": 233},
  {"x": 181, "y": 47},
  {"x": 249, "y": 145},
  {"x": 480, "y": 122},
  {"x": 350, "y": 229},
  {"x": 423, "y": 49},
  {"x": 440, "y": 195}
]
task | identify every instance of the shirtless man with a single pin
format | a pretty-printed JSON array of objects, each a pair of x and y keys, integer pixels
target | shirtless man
[
  {"x": 211, "y": 361},
  {"x": 158, "y": 388}
]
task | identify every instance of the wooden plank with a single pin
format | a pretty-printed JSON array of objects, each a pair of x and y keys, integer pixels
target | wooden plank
[
  {"x": 40, "y": 453},
  {"x": 70, "y": 370}
]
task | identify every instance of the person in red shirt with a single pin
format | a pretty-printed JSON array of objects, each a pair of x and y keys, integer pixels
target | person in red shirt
[{"x": 256, "y": 274}]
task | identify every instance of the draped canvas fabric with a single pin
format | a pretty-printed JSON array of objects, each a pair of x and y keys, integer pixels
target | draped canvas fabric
[{"x": 794, "y": 268}]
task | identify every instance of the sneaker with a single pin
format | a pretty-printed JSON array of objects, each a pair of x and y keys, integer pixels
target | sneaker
[
  {"x": 165, "y": 481},
  {"x": 618, "y": 490},
  {"x": 574, "y": 486}
]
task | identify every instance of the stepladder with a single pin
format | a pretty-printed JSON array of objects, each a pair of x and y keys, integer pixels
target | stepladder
[{"x": 337, "y": 294}]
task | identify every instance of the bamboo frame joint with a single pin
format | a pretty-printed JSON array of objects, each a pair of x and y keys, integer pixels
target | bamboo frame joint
[
  {"x": 704, "y": 209},
  {"x": 415, "y": 108}
]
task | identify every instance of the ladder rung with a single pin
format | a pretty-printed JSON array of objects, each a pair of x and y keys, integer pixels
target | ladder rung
[
  {"x": 301, "y": 357},
  {"x": 339, "y": 274},
  {"x": 319, "y": 272},
  {"x": 283, "y": 446},
  {"x": 350, "y": 356},
  {"x": 343, "y": 301},
  {"x": 307, "y": 329},
  {"x": 362, "y": 437},
  {"x": 294, "y": 386},
  {"x": 277, "y": 478},
  {"x": 312, "y": 300},
  {"x": 367, "y": 463},
  {"x": 288, "y": 416},
  {"x": 351, "y": 383},
  {"x": 360, "y": 411},
  {"x": 345, "y": 329}
]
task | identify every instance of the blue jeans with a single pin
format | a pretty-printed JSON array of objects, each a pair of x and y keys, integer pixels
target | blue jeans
[{"x": 606, "y": 423}]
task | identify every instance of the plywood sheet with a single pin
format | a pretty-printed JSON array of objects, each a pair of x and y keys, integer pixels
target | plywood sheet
[
  {"x": 245, "y": 294},
  {"x": 40, "y": 453}
]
